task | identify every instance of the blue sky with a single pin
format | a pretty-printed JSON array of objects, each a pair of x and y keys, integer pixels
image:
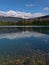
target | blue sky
[{"x": 32, "y": 6}]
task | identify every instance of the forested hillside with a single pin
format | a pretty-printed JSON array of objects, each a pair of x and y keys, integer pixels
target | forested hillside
[{"x": 44, "y": 20}]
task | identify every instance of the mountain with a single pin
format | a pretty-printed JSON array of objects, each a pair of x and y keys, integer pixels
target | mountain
[
  {"x": 43, "y": 20},
  {"x": 46, "y": 17},
  {"x": 11, "y": 19},
  {"x": 14, "y": 19}
]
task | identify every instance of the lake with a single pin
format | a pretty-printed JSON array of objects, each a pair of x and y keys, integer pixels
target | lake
[{"x": 24, "y": 45}]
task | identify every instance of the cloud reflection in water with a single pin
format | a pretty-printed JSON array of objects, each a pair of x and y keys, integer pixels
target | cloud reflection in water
[{"x": 22, "y": 35}]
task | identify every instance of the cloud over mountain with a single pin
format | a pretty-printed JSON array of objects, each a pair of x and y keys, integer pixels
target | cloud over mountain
[{"x": 20, "y": 14}]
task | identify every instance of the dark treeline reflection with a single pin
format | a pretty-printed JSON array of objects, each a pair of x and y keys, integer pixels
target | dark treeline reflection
[{"x": 20, "y": 29}]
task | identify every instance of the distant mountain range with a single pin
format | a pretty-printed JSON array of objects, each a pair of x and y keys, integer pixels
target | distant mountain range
[
  {"x": 46, "y": 17},
  {"x": 15, "y": 19},
  {"x": 11, "y": 19}
]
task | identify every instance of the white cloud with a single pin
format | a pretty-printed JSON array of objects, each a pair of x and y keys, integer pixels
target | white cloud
[
  {"x": 38, "y": 14},
  {"x": 46, "y": 8},
  {"x": 29, "y": 5},
  {"x": 26, "y": 15}
]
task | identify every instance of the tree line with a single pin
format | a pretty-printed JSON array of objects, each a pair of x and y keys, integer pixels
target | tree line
[{"x": 26, "y": 22}]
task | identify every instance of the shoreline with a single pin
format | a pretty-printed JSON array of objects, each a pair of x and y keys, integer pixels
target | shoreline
[{"x": 22, "y": 26}]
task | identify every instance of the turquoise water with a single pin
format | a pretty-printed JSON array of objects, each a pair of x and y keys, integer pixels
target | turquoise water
[{"x": 20, "y": 42}]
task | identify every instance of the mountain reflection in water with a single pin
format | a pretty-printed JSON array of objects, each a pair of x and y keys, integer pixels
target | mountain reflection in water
[{"x": 20, "y": 29}]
